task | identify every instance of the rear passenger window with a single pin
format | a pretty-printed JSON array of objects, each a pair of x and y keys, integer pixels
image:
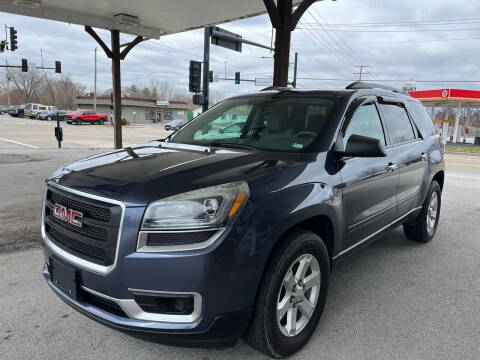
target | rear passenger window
[
  {"x": 398, "y": 123},
  {"x": 422, "y": 119},
  {"x": 366, "y": 122}
]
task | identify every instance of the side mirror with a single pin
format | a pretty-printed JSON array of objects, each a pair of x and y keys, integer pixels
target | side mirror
[{"x": 362, "y": 146}]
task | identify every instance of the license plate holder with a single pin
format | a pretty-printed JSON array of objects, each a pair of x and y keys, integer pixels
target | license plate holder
[{"x": 64, "y": 278}]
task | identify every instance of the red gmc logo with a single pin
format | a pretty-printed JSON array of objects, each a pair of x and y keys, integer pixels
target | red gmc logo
[{"x": 68, "y": 215}]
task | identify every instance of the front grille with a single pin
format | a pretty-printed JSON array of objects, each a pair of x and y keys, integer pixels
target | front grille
[
  {"x": 104, "y": 304},
  {"x": 96, "y": 240}
]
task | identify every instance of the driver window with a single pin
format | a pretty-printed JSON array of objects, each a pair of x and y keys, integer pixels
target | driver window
[{"x": 365, "y": 122}]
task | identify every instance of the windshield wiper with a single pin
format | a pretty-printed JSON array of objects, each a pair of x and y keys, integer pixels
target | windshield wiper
[{"x": 232, "y": 145}]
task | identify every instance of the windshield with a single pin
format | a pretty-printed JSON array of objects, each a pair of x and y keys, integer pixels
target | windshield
[{"x": 273, "y": 122}]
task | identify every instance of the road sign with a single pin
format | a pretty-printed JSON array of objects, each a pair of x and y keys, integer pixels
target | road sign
[
  {"x": 263, "y": 81},
  {"x": 226, "y": 39}
]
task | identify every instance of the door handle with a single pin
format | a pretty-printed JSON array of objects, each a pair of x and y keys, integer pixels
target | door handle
[
  {"x": 392, "y": 167},
  {"x": 424, "y": 156}
]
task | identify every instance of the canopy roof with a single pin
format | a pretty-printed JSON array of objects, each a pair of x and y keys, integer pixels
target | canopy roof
[
  {"x": 440, "y": 97},
  {"x": 155, "y": 17}
]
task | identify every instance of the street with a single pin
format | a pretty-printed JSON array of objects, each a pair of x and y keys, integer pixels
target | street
[{"x": 395, "y": 299}]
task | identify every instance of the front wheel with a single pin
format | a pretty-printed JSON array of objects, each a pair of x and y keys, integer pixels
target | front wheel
[
  {"x": 78, "y": 122},
  {"x": 101, "y": 121},
  {"x": 291, "y": 296},
  {"x": 424, "y": 226}
]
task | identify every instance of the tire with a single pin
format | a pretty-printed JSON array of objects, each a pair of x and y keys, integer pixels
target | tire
[
  {"x": 167, "y": 127},
  {"x": 423, "y": 228},
  {"x": 268, "y": 331},
  {"x": 78, "y": 122},
  {"x": 49, "y": 118},
  {"x": 101, "y": 121}
]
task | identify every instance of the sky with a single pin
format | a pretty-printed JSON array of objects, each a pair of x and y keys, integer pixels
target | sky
[{"x": 408, "y": 40}]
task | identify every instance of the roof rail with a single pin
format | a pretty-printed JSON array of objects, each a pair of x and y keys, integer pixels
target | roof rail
[
  {"x": 357, "y": 85},
  {"x": 279, "y": 88}
]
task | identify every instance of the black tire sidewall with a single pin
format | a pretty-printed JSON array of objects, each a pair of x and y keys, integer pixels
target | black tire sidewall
[
  {"x": 281, "y": 345},
  {"x": 434, "y": 187}
]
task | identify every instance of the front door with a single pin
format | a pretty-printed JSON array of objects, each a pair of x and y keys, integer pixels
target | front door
[{"x": 369, "y": 184}]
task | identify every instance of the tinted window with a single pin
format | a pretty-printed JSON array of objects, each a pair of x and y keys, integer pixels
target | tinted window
[
  {"x": 398, "y": 123},
  {"x": 422, "y": 118},
  {"x": 366, "y": 122},
  {"x": 270, "y": 122}
]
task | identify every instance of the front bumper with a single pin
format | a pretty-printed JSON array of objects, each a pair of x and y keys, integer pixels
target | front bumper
[{"x": 225, "y": 328}]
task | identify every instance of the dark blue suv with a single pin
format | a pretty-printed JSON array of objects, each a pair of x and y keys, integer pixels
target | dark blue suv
[{"x": 210, "y": 235}]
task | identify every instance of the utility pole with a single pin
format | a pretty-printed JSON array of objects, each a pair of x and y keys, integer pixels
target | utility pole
[
  {"x": 41, "y": 57},
  {"x": 225, "y": 69},
  {"x": 95, "y": 82},
  {"x": 8, "y": 85},
  {"x": 361, "y": 72},
  {"x": 295, "y": 66}
]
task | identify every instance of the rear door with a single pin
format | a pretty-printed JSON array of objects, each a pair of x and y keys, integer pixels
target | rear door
[
  {"x": 408, "y": 147},
  {"x": 369, "y": 184}
]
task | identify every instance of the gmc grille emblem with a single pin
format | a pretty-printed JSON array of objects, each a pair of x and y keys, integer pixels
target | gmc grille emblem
[{"x": 68, "y": 215}]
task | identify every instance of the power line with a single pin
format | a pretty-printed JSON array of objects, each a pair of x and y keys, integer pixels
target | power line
[
  {"x": 393, "y": 80},
  {"x": 361, "y": 60},
  {"x": 398, "y": 31},
  {"x": 406, "y": 41},
  {"x": 411, "y": 22}
]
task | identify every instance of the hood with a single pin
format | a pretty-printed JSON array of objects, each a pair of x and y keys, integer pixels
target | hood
[{"x": 141, "y": 174}]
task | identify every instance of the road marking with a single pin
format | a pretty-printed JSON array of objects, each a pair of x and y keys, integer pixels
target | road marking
[
  {"x": 19, "y": 143},
  {"x": 461, "y": 164}
]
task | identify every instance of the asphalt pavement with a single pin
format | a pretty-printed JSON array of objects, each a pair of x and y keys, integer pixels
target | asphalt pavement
[{"x": 395, "y": 299}]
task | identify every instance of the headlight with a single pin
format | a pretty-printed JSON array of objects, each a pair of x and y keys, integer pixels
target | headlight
[{"x": 210, "y": 207}]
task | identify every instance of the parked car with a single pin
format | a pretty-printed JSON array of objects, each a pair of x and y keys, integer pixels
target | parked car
[
  {"x": 21, "y": 111},
  {"x": 41, "y": 115},
  {"x": 175, "y": 124},
  {"x": 3, "y": 109},
  {"x": 230, "y": 131},
  {"x": 52, "y": 115},
  {"x": 213, "y": 239},
  {"x": 79, "y": 117},
  {"x": 31, "y": 109}
]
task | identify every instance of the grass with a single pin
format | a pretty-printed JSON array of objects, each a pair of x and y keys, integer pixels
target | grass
[{"x": 460, "y": 149}]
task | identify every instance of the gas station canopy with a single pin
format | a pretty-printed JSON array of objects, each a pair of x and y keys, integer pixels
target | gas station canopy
[
  {"x": 449, "y": 98},
  {"x": 148, "y": 18}
]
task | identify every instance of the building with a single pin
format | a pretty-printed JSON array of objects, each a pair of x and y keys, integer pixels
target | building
[
  {"x": 142, "y": 111},
  {"x": 455, "y": 112}
]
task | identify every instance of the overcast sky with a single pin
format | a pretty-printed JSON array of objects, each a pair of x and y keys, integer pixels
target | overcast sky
[{"x": 404, "y": 40}]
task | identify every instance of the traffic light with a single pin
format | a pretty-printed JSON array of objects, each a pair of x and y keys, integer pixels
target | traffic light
[
  {"x": 58, "y": 67},
  {"x": 210, "y": 76},
  {"x": 24, "y": 65},
  {"x": 3, "y": 43},
  {"x": 195, "y": 76},
  {"x": 237, "y": 78},
  {"x": 13, "y": 39}
]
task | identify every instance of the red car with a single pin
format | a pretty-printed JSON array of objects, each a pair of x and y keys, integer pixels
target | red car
[{"x": 85, "y": 116}]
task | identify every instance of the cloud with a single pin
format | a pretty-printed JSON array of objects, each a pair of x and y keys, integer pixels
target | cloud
[{"x": 416, "y": 52}]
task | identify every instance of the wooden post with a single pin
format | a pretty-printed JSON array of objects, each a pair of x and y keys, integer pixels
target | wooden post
[{"x": 117, "y": 96}]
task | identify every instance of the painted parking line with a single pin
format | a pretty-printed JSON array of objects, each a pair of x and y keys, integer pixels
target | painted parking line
[
  {"x": 462, "y": 164},
  {"x": 19, "y": 143}
]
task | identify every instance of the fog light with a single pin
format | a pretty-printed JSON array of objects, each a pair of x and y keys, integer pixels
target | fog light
[{"x": 166, "y": 304}]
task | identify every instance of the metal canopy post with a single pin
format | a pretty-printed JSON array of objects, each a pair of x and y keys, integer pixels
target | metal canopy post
[
  {"x": 206, "y": 67},
  {"x": 284, "y": 20},
  {"x": 116, "y": 55}
]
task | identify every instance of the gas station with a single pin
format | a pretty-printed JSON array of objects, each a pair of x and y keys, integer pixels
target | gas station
[{"x": 451, "y": 103}]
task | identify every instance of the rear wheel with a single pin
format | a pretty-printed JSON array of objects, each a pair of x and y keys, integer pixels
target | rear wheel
[
  {"x": 424, "y": 226},
  {"x": 291, "y": 296},
  {"x": 78, "y": 122},
  {"x": 101, "y": 121}
]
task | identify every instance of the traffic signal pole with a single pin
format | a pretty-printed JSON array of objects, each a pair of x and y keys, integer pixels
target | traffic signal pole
[{"x": 206, "y": 67}]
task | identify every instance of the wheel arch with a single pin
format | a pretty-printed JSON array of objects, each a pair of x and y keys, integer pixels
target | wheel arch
[{"x": 440, "y": 178}]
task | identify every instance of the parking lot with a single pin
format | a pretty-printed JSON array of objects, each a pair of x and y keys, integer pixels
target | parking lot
[
  {"x": 27, "y": 133},
  {"x": 394, "y": 300}
]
